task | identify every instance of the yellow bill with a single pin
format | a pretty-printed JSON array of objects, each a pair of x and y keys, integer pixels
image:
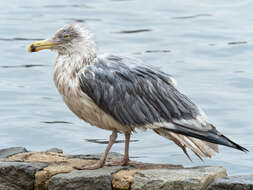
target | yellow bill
[{"x": 40, "y": 45}]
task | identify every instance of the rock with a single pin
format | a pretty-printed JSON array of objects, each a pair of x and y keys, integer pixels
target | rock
[
  {"x": 233, "y": 183},
  {"x": 196, "y": 178},
  {"x": 100, "y": 179},
  {"x": 123, "y": 179},
  {"x": 55, "y": 171},
  {"x": 57, "y": 163},
  {"x": 63, "y": 163},
  {"x": 55, "y": 150},
  {"x": 46, "y": 157},
  {"x": 7, "y": 152},
  {"x": 18, "y": 175},
  {"x": 111, "y": 155}
]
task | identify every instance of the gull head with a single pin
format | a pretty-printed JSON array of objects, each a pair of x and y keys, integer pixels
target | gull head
[{"x": 71, "y": 39}]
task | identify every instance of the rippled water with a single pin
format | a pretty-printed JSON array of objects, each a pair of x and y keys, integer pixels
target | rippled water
[{"x": 206, "y": 46}]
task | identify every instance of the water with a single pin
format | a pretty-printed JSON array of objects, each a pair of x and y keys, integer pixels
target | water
[{"x": 206, "y": 46}]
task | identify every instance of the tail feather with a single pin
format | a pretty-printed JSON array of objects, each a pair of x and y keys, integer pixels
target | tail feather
[
  {"x": 198, "y": 147},
  {"x": 212, "y": 146},
  {"x": 235, "y": 145},
  {"x": 212, "y": 135},
  {"x": 204, "y": 147},
  {"x": 175, "y": 139},
  {"x": 203, "y": 143},
  {"x": 193, "y": 146}
]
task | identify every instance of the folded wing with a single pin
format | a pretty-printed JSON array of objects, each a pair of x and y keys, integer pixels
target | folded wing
[{"x": 138, "y": 95}]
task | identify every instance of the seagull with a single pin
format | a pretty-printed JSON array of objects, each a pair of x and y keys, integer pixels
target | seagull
[{"x": 122, "y": 94}]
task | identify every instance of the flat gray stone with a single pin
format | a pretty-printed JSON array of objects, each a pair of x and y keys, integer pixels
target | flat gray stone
[
  {"x": 100, "y": 179},
  {"x": 55, "y": 150},
  {"x": 7, "y": 152},
  {"x": 244, "y": 182},
  {"x": 196, "y": 178},
  {"x": 18, "y": 175}
]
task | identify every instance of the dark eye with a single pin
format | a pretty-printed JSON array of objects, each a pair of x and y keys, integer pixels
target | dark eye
[{"x": 67, "y": 36}]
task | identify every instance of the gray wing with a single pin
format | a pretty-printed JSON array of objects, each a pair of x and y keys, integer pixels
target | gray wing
[{"x": 136, "y": 94}]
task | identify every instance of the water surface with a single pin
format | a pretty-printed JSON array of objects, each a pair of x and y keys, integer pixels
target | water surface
[{"x": 206, "y": 46}]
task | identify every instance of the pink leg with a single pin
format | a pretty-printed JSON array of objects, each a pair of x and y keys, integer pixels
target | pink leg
[
  {"x": 125, "y": 159},
  {"x": 101, "y": 162},
  {"x": 126, "y": 155}
]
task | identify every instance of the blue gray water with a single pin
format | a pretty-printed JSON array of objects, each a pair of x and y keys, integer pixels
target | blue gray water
[{"x": 206, "y": 45}]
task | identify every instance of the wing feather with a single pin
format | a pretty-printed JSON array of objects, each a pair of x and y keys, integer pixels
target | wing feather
[{"x": 138, "y": 95}]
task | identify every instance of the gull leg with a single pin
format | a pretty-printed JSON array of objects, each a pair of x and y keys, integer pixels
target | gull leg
[
  {"x": 126, "y": 155},
  {"x": 101, "y": 162},
  {"x": 125, "y": 159}
]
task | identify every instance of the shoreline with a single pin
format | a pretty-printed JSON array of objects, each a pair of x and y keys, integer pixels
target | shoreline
[{"x": 53, "y": 170}]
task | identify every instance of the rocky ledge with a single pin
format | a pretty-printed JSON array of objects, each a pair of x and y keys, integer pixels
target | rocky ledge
[{"x": 53, "y": 170}]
